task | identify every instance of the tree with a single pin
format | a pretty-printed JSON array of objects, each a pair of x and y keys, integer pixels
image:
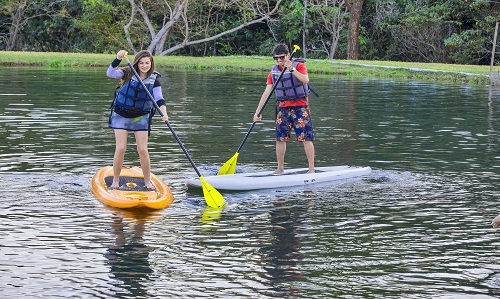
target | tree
[
  {"x": 101, "y": 23},
  {"x": 331, "y": 16},
  {"x": 378, "y": 18},
  {"x": 472, "y": 41},
  {"x": 170, "y": 26},
  {"x": 320, "y": 22},
  {"x": 354, "y": 7},
  {"x": 20, "y": 13},
  {"x": 38, "y": 25}
]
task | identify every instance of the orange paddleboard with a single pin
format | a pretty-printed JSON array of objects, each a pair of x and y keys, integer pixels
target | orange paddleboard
[{"x": 132, "y": 192}]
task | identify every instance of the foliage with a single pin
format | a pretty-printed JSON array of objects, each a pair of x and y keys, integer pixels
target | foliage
[
  {"x": 207, "y": 21},
  {"x": 474, "y": 42},
  {"x": 101, "y": 23},
  {"x": 333, "y": 17},
  {"x": 449, "y": 31},
  {"x": 421, "y": 31}
]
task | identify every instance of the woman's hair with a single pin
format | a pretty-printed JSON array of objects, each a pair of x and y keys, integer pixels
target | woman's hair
[{"x": 128, "y": 74}]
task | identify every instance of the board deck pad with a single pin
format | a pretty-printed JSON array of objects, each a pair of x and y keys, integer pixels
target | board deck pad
[
  {"x": 286, "y": 173},
  {"x": 128, "y": 183}
]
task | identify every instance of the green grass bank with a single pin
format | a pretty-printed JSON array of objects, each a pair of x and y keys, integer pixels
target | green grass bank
[{"x": 464, "y": 74}]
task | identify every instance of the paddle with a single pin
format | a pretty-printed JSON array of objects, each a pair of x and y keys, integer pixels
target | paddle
[
  {"x": 230, "y": 166},
  {"x": 213, "y": 198}
]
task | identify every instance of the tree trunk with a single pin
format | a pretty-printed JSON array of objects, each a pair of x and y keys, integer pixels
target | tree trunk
[
  {"x": 354, "y": 7},
  {"x": 16, "y": 10}
]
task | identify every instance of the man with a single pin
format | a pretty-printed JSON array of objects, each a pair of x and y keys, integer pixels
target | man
[{"x": 293, "y": 109}]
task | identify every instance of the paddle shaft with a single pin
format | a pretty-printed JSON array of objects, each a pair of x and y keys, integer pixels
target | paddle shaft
[
  {"x": 161, "y": 113},
  {"x": 264, "y": 106}
]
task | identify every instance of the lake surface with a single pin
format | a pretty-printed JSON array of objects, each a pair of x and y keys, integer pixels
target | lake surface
[{"x": 419, "y": 226}]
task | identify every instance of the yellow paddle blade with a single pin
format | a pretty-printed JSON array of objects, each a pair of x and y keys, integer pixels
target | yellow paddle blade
[
  {"x": 230, "y": 166},
  {"x": 213, "y": 198}
]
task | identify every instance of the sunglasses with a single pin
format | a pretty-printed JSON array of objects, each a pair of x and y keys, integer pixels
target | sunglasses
[{"x": 279, "y": 57}]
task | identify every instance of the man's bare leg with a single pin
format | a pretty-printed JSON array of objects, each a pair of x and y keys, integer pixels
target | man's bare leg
[
  {"x": 309, "y": 149},
  {"x": 280, "y": 156}
]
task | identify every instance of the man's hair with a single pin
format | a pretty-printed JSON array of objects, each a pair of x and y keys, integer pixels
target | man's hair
[{"x": 280, "y": 49}]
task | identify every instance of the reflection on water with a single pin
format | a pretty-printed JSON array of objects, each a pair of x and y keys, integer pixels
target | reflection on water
[
  {"x": 128, "y": 257},
  {"x": 417, "y": 227},
  {"x": 282, "y": 258}
]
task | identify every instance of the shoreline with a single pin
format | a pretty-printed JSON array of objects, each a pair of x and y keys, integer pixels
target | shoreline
[{"x": 462, "y": 74}]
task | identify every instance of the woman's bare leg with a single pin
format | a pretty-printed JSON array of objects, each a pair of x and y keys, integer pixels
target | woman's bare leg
[
  {"x": 141, "y": 138},
  {"x": 121, "y": 147}
]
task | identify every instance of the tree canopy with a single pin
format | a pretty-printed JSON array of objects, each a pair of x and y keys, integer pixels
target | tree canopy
[{"x": 441, "y": 31}]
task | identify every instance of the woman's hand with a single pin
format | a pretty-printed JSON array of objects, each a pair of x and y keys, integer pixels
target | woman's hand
[
  {"x": 163, "y": 110},
  {"x": 164, "y": 117},
  {"x": 121, "y": 54}
]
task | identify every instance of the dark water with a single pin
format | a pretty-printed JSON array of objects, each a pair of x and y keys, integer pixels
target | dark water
[{"x": 417, "y": 227}]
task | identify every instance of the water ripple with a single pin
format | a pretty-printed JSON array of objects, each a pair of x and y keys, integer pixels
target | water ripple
[{"x": 418, "y": 227}]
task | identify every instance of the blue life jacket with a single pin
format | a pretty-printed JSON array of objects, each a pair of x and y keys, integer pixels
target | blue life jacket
[
  {"x": 289, "y": 87},
  {"x": 132, "y": 100}
]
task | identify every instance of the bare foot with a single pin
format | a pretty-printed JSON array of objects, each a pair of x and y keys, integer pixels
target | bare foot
[
  {"x": 278, "y": 171},
  {"x": 312, "y": 171},
  {"x": 149, "y": 186}
]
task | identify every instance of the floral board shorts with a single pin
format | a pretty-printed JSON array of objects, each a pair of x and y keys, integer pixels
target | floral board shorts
[
  {"x": 140, "y": 123},
  {"x": 298, "y": 118}
]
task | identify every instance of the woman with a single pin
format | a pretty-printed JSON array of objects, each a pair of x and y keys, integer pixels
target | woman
[{"x": 133, "y": 110}]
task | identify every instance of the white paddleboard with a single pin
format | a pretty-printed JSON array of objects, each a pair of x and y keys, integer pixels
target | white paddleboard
[{"x": 291, "y": 177}]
